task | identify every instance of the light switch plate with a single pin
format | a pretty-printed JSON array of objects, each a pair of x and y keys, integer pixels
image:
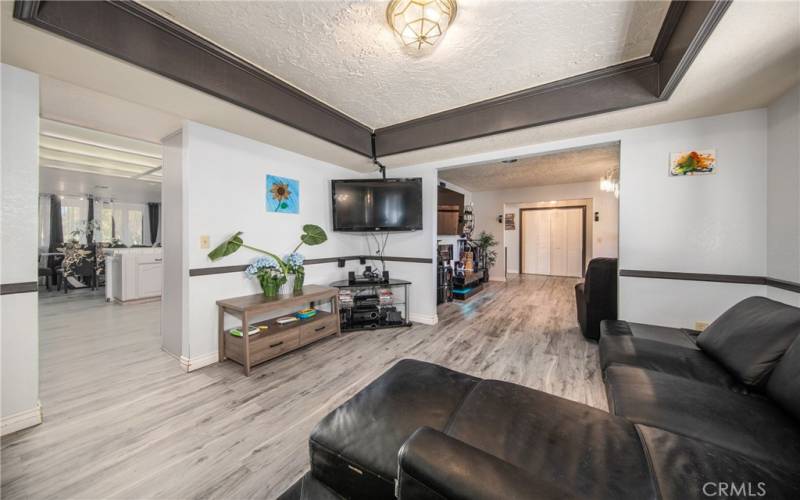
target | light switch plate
[
  {"x": 700, "y": 325},
  {"x": 204, "y": 244}
]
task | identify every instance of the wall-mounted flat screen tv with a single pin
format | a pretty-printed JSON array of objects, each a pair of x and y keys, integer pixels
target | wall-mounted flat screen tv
[{"x": 377, "y": 204}]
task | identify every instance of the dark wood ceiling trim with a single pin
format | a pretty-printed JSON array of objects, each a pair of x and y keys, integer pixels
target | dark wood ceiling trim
[
  {"x": 686, "y": 27},
  {"x": 610, "y": 89},
  {"x": 133, "y": 33},
  {"x": 689, "y": 24}
]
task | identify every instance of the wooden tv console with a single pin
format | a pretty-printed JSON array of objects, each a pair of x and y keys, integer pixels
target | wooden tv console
[{"x": 250, "y": 350}]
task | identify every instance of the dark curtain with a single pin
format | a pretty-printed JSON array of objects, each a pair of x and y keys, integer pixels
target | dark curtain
[
  {"x": 89, "y": 221},
  {"x": 56, "y": 229},
  {"x": 152, "y": 211}
]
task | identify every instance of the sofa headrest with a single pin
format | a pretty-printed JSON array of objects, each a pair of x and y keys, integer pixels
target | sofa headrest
[{"x": 750, "y": 338}]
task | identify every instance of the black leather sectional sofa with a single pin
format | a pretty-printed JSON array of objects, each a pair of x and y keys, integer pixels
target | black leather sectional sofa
[{"x": 693, "y": 415}]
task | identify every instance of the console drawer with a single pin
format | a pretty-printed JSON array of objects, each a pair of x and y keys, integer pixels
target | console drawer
[
  {"x": 318, "y": 329},
  {"x": 263, "y": 347}
]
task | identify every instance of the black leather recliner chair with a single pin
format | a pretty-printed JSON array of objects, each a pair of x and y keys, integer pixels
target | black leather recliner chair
[{"x": 596, "y": 297}]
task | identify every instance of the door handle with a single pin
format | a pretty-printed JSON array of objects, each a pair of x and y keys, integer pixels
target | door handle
[
  {"x": 276, "y": 345},
  {"x": 319, "y": 328}
]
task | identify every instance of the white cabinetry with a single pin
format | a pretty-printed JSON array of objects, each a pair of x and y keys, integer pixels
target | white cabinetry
[{"x": 135, "y": 274}]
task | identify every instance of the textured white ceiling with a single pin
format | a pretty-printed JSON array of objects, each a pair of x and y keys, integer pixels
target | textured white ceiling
[
  {"x": 343, "y": 53},
  {"x": 751, "y": 58},
  {"x": 562, "y": 167}
]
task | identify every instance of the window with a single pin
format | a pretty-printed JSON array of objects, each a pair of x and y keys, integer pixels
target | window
[
  {"x": 135, "y": 227},
  {"x": 73, "y": 217},
  {"x": 106, "y": 224},
  {"x": 128, "y": 222}
]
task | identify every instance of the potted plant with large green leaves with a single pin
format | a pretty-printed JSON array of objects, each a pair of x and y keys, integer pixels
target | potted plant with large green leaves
[
  {"x": 274, "y": 272},
  {"x": 312, "y": 235},
  {"x": 485, "y": 242}
]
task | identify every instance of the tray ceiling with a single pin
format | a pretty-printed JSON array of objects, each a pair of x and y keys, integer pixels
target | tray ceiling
[
  {"x": 562, "y": 167},
  {"x": 344, "y": 54}
]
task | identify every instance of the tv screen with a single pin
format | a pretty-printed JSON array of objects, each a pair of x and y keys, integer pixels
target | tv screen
[{"x": 377, "y": 205}]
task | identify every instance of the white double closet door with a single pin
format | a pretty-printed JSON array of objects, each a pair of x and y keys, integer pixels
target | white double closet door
[{"x": 552, "y": 241}]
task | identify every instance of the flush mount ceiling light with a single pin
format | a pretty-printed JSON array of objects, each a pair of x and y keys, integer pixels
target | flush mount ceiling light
[{"x": 420, "y": 23}]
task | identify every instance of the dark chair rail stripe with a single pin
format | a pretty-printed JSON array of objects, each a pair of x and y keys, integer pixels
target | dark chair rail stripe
[
  {"x": 716, "y": 278},
  {"x": 206, "y": 271},
  {"x": 11, "y": 288}
]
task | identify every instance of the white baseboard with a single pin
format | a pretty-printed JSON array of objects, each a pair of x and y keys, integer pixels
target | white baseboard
[
  {"x": 21, "y": 420},
  {"x": 497, "y": 278},
  {"x": 513, "y": 271},
  {"x": 197, "y": 362},
  {"x": 425, "y": 319}
]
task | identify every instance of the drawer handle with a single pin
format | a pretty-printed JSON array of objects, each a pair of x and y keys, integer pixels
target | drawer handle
[
  {"x": 319, "y": 328},
  {"x": 276, "y": 345}
]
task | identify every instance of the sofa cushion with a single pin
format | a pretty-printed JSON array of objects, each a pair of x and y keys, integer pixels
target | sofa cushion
[
  {"x": 750, "y": 425},
  {"x": 677, "y": 336},
  {"x": 784, "y": 383},
  {"x": 691, "y": 468},
  {"x": 354, "y": 448},
  {"x": 750, "y": 337},
  {"x": 662, "y": 357},
  {"x": 559, "y": 441}
]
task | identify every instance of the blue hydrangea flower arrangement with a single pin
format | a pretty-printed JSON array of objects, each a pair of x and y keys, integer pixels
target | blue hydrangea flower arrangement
[{"x": 271, "y": 270}]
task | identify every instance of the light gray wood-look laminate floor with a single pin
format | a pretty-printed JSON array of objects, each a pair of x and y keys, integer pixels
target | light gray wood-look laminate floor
[{"x": 123, "y": 421}]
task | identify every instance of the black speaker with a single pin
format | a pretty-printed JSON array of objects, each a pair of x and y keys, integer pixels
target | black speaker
[
  {"x": 386, "y": 276},
  {"x": 351, "y": 277}
]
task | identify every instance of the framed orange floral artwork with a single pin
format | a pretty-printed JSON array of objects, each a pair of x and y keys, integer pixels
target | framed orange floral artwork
[{"x": 693, "y": 163}]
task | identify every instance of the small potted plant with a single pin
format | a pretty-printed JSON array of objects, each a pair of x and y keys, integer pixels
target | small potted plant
[
  {"x": 269, "y": 273},
  {"x": 485, "y": 242},
  {"x": 273, "y": 272}
]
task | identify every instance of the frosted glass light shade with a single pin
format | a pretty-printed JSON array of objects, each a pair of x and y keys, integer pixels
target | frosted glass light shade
[{"x": 420, "y": 23}]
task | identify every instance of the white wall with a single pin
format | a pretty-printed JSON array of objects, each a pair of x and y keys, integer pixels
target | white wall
[
  {"x": 19, "y": 250},
  {"x": 783, "y": 188},
  {"x": 223, "y": 189},
  {"x": 602, "y": 235},
  {"x": 419, "y": 244},
  {"x": 175, "y": 299},
  {"x": 711, "y": 224}
]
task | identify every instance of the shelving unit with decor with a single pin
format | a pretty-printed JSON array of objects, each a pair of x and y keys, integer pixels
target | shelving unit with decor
[{"x": 277, "y": 339}]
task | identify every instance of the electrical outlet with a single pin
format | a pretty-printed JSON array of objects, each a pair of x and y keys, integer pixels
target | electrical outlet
[
  {"x": 204, "y": 243},
  {"x": 700, "y": 325}
]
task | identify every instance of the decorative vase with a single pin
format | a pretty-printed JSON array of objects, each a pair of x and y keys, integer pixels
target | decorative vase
[
  {"x": 298, "y": 282},
  {"x": 288, "y": 286},
  {"x": 269, "y": 286}
]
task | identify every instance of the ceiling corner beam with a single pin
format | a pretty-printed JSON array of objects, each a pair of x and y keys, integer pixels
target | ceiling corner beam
[
  {"x": 686, "y": 27},
  {"x": 129, "y": 31},
  {"x": 165, "y": 48}
]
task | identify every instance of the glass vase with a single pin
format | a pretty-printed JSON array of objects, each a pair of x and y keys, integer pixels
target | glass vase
[{"x": 298, "y": 282}]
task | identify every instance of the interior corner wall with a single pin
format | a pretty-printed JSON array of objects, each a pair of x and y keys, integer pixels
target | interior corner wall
[
  {"x": 224, "y": 192},
  {"x": 174, "y": 299},
  {"x": 694, "y": 224},
  {"x": 783, "y": 193},
  {"x": 418, "y": 244},
  {"x": 702, "y": 224},
  {"x": 19, "y": 325}
]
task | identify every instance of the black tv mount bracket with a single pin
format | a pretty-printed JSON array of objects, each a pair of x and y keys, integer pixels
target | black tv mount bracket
[{"x": 381, "y": 166}]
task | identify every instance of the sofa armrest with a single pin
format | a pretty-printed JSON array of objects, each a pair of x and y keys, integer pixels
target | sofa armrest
[{"x": 433, "y": 465}]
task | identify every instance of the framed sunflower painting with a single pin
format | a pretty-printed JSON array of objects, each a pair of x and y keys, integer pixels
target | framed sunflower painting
[
  {"x": 693, "y": 163},
  {"x": 283, "y": 195}
]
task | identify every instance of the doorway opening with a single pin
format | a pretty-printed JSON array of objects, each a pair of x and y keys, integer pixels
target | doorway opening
[{"x": 552, "y": 240}]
